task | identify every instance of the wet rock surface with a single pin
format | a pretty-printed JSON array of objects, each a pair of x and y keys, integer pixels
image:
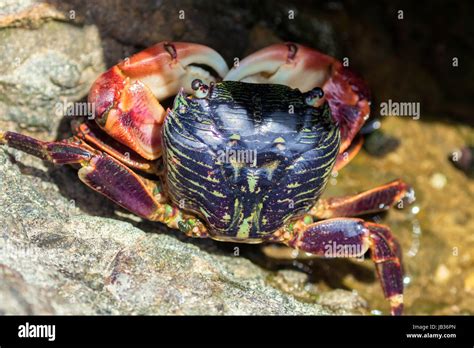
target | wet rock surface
[
  {"x": 435, "y": 232},
  {"x": 56, "y": 259},
  {"x": 40, "y": 68},
  {"x": 67, "y": 250}
]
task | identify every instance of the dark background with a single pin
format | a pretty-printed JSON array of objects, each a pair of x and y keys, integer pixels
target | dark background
[{"x": 407, "y": 59}]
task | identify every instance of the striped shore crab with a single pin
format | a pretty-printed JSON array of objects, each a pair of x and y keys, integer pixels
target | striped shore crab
[{"x": 294, "y": 115}]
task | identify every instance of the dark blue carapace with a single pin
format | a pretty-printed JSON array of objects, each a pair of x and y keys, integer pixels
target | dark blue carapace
[{"x": 246, "y": 158}]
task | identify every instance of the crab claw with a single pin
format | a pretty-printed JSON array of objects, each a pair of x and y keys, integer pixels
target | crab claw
[
  {"x": 127, "y": 96},
  {"x": 301, "y": 67}
]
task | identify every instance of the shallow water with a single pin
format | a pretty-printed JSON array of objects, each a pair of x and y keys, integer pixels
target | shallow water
[
  {"x": 437, "y": 231},
  {"x": 441, "y": 267}
]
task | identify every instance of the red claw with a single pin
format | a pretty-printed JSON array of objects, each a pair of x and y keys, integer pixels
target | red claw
[
  {"x": 348, "y": 97},
  {"x": 128, "y": 112},
  {"x": 301, "y": 67},
  {"x": 127, "y": 97}
]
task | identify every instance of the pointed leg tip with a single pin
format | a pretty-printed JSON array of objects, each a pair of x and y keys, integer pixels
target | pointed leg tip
[{"x": 396, "y": 304}]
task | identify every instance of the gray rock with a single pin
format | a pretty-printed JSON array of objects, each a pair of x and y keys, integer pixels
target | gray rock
[
  {"x": 56, "y": 259},
  {"x": 65, "y": 249},
  {"x": 54, "y": 63}
]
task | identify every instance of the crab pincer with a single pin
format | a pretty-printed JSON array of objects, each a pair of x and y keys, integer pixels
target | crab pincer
[
  {"x": 127, "y": 96},
  {"x": 304, "y": 68}
]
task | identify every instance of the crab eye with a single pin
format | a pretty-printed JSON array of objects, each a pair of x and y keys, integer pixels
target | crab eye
[
  {"x": 314, "y": 97},
  {"x": 201, "y": 89}
]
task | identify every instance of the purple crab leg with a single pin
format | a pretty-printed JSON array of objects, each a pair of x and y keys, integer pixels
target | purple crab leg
[
  {"x": 350, "y": 237},
  {"x": 111, "y": 178},
  {"x": 371, "y": 201},
  {"x": 56, "y": 152},
  {"x": 344, "y": 157}
]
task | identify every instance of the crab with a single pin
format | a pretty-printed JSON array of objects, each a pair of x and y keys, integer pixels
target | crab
[{"x": 294, "y": 115}]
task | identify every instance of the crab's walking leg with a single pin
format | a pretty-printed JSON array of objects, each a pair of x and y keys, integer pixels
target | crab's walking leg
[
  {"x": 111, "y": 178},
  {"x": 348, "y": 154},
  {"x": 377, "y": 199},
  {"x": 63, "y": 152},
  {"x": 350, "y": 237}
]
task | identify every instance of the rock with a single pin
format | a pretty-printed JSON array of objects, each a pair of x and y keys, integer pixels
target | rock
[
  {"x": 378, "y": 144},
  {"x": 27, "y": 13},
  {"x": 290, "y": 21},
  {"x": 67, "y": 250},
  {"x": 463, "y": 159},
  {"x": 54, "y": 63},
  {"x": 127, "y": 27},
  {"x": 56, "y": 259},
  {"x": 343, "y": 302}
]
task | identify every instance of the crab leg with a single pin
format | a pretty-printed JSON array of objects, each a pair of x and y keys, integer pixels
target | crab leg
[
  {"x": 345, "y": 157},
  {"x": 61, "y": 152},
  {"x": 127, "y": 97},
  {"x": 304, "y": 68},
  {"x": 371, "y": 201},
  {"x": 111, "y": 178},
  {"x": 346, "y": 237},
  {"x": 94, "y": 136}
]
